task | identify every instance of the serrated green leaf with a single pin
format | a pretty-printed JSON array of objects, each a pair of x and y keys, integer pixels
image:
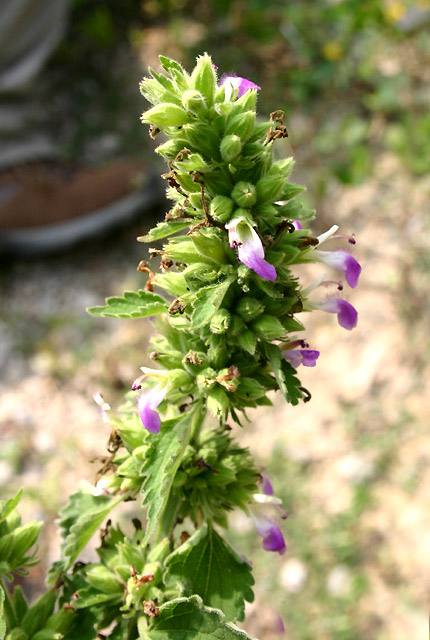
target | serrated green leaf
[
  {"x": 189, "y": 619},
  {"x": 160, "y": 466},
  {"x": 133, "y": 304},
  {"x": 80, "y": 519},
  {"x": 162, "y": 230},
  {"x": 284, "y": 374},
  {"x": 208, "y": 301},
  {"x": 206, "y": 565}
]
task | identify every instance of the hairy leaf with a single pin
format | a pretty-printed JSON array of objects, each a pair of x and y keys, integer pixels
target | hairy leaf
[
  {"x": 132, "y": 305},
  {"x": 208, "y": 301},
  {"x": 206, "y": 565},
  {"x": 189, "y": 619},
  {"x": 79, "y": 520},
  {"x": 162, "y": 230},
  {"x": 161, "y": 463}
]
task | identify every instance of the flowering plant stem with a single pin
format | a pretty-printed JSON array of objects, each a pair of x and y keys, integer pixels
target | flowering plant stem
[{"x": 228, "y": 333}]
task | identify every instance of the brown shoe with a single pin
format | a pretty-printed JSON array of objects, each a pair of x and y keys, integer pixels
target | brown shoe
[{"x": 48, "y": 206}]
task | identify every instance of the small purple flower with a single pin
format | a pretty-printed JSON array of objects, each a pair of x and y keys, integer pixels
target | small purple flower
[
  {"x": 346, "y": 313},
  {"x": 236, "y": 83},
  {"x": 273, "y": 540},
  {"x": 147, "y": 404},
  {"x": 343, "y": 261},
  {"x": 250, "y": 252},
  {"x": 306, "y": 357},
  {"x": 297, "y": 225}
]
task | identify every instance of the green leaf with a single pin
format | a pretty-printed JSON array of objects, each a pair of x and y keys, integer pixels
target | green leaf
[
  {"x": 36, "y": 616},
  {"x": 208, "y": 301},
  {"x": 162, "y": 230},
  {"x": 7, "y": 506},
  {"x": 161, "y": 463},
  {"x": 188, "y": 619},
  {"x": 206, "y": 565},
  {"x": 284, "y": 374},
  {"x": 80, "y": 519},
  {"x": 132, "y": 305}
]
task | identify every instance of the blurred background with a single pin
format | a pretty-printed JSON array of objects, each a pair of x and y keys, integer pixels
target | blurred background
[{"x": 353, "y": 465}]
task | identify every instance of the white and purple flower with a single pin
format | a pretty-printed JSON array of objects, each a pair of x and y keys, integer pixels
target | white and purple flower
[
  {"x": 147, "y": 404},
  {"x": 346, "y": 314},
  {"x": 236, "y": 83},
  {"x": 306, "y": 357},
  {"x": 273, "y": 540},
  {"x": 250, "y": 252},
  {"x": 344, "y": 261}
]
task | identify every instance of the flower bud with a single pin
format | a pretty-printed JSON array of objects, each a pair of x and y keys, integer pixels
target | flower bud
[
  {"x": 230, "y": 147},
  {"x": 194, "y": 162},
  {"x": 206, "y": 379},
  {"x": 221, "y": 208},
  {"x": 268, "y": 328},
  {"x": 218, "y": 401},
  {"x": 269, "y": 188},
  {"x": 281, "y": 168},
  {"x": 210, "y": 247},
  {"x": 103, "y": 579},
  {"x": 249, "y": 308},
  {"x": 244, "y": 194},
  {"x": 203, "y": 138},
  {"x": 242, "y": 125},
  {"x": 171, "y": 148},
  {"x": 179, "y": 378},
  {"x": 203, "y": 78},
  {"x": 194, "y": 102},
  {"x": 220, "y": 321},
  {"x": 165, "y": 115}
]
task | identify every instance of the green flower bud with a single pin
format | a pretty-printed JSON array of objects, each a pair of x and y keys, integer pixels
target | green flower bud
[
  {"x": 291, "y": 191},
  {"x": 269, "y": 188},
  {"x": 221, "y": 208},
  {"x": 179, "y": 378},
  {"x": 281, "y": 168},
  {"x": 203, "y": 138},
  {"x": 230, "y": 147},
  {"x": 218, "y": 400},
  {"x": 206, "y": 379},
  {"x": 171, "y": 148},
  {"x": 194, "y": 102},
  {"x": 267, "y": 210},
  {"x": 101, "y": 578},
  {"x": 268, "y": 328},
  {"x": 244, "y": 194},
  {"x": 210, "y": 247},
  {"x": 249, "y": 308},
  {"x": 203, "y": 78},
  {"x": 220, "y": 321},
  {"x": 165, "y": 115},
  {"x": 242, "y": 125}
]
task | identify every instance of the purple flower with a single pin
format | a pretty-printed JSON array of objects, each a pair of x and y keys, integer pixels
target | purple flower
[
  {"x": 147, "y": 404},
  {"x": 346, "y": 314},
  {"x": 297, "y": 225},
  {"x": 343, "y": 261},
  {"x": 273, "y": 540},
  {"x": 250, "y": 252},
  {"x": 306, "y": 357},
  {"x": 236, "y": 83}
]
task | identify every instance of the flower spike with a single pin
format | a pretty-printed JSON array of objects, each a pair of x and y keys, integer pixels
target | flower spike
[{"x": 250, "y": 252}]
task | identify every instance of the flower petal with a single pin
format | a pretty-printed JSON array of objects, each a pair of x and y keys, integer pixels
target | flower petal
[
  {"x": 236, "y": 83},
  {"x": 346, "y": 314},
  {"x": 273, "y": 540},
  {"x": 249, "y": 248},
  {"x": 306, "y": 357},
  {"x": 147, "y": 404}
]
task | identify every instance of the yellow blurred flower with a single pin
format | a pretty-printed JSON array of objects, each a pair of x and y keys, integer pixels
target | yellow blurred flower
[
  {"x": 332, "y": 51},
  {"x": 395, "y": 11}
]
